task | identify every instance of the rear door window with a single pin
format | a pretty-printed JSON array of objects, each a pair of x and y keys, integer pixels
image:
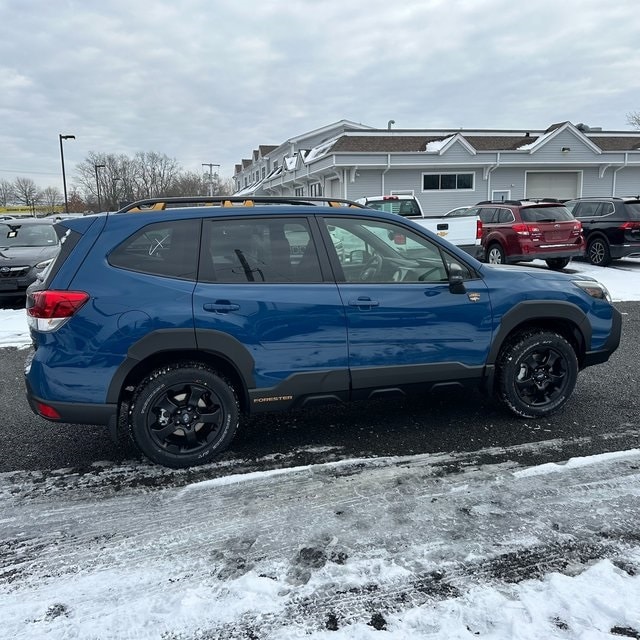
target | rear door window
[{"x": 268, "y": 250}]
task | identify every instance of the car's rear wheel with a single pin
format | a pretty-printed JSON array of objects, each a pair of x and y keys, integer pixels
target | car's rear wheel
[
  {"x": 536, "y": 373},
  {"x": 598, "y": 252},
  {"x": 183, "y": 415},
  {"x": 495, "y": 254},
  {"x": 557, "y": 263}
]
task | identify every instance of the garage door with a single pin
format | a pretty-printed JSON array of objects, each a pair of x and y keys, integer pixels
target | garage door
[{"x": 560, "y": 184}]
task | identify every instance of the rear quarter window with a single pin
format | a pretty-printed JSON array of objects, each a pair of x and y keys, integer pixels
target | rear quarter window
[
  {"x": 166, "y": 249},
  {"x": 633, "y": 208}
]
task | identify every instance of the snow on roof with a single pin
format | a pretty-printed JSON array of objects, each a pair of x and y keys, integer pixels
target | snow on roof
[
  {"x": 437, "y": 145},
  {"x": 321, "y": 149},
  {"x": 537, "y": 141}
]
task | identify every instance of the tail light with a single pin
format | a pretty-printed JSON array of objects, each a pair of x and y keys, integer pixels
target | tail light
[
  {"x": 577, "y": 228},
  {"x": 48, "y": 310},
  {"x": 630, "y": 226},
  {"x": 526, "y": 229},
  {"x": 478, "y": 229}
]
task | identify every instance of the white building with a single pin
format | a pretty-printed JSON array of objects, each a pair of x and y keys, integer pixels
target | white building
[{"x": 446, "y": 168}]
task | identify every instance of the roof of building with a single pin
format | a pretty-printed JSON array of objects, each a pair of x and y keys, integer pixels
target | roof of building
[{"x": 369, "y": 140}]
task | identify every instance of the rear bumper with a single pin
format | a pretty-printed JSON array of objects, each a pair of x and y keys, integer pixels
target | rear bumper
[
  {"x": 546, "y": 255},
  {"x": 74, "y": 413}
]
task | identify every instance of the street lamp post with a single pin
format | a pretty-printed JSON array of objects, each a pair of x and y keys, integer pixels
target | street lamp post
[
  {"x": 64, "y": 180},
  {"x": 95, "y": 168},
  {"x": 210, "y": 165},
  {"x": 114, "y": 183}
]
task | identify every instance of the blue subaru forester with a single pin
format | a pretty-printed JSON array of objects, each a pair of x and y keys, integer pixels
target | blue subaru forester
[{"x": 174, "y": 317}]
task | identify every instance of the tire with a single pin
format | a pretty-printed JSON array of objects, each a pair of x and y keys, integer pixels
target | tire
[
  {"x": 598, "y": 252},
  {"x": 536, "y": 373},
  {"x": 557, "y": 264},
  {"x": 183, "y": 415},
  {"x": 495, "y": 254}
]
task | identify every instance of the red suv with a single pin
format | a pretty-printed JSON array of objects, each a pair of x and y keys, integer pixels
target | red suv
[{"x": 520, "y": 231}]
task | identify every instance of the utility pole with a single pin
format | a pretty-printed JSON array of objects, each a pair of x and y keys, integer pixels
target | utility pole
[
  {"x": 210, "y": 165},
  {"x": 64, "y": 179}
]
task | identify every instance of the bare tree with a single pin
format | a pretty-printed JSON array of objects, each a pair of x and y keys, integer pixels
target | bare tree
[
  {"x": 156, "y": 172},
  {"x": 51, "y": 198},
  {"x": 633, "y": 119},
  {"x": 226, "y": 187},
  {"x": 26, "y": 192},
  {"x": 6, "y": 192},
  {"x": 188, "y": 183}
]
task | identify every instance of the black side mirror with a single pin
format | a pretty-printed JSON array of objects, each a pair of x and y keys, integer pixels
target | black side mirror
[{"x": 456, "y": 278}]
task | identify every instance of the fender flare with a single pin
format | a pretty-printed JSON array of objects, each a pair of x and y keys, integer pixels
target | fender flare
[
  {"x": 207, "y": 341},
  {"x": 530, "y": 310}
]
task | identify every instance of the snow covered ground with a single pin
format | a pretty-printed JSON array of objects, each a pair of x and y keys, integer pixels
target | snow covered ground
[{"x": 444, "y": 546}]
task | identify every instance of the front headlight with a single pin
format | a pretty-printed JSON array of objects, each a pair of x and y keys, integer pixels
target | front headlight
[
  {"x": 44, "y": 264},
  {"x": 594, "y": 288}
]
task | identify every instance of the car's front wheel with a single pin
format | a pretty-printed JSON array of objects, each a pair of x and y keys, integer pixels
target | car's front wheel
[
  {"x": 536, "y": 373},
  {"x": 183, "y": 415}
]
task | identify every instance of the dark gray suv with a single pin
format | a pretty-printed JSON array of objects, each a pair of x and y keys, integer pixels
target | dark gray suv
[{"x": 611, "y": 227}]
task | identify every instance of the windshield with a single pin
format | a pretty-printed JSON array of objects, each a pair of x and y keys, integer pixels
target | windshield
[
  {"x": 27, "y": 235},
  {"x": 545, "y": 214}
]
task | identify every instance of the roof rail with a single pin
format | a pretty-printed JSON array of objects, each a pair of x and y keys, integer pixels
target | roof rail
[
  {"x": 160, "y": 204},
  {"x": 515, "y": 202}
]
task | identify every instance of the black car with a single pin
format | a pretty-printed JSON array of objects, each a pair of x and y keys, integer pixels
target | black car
[
  {"x": 27, "y": 246},
  {"x": 611, "y": 227}
]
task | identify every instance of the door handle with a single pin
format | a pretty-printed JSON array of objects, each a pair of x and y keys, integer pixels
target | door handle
[
  {"x": 221, "y": 306},
  {"x": 363, "y": 302}
]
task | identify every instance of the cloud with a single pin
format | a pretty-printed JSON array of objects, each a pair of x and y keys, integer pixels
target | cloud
[{"x": 210, "y": 80}]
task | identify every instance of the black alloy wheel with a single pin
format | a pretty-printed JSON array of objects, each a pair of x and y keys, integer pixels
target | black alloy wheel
[
  {"x": 183, "y": 415},
  {"x": 536, "y": 373}
]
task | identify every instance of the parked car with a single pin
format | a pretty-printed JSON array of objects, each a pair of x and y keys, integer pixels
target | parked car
[
  {"x": 465, "y": 233},
  {"x": 171, "y": 323},
  {"x": 521, "y": 231},
  {"x": 27, "y": 246},
  {"x": 611, "y": 227}
]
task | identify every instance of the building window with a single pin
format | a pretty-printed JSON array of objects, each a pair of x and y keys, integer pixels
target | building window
[
  {"x": 264, "y": 172},
  {"x": 447, "y": 181},
  {"x": 315, "y": 190},
  {"x": 299, "y": 191}
]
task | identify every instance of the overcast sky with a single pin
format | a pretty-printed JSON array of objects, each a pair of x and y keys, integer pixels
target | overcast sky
[{"x": 207, "y": 81}]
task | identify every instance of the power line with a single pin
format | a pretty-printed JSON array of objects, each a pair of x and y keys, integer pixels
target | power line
[{"x": 28, "y": 172}]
